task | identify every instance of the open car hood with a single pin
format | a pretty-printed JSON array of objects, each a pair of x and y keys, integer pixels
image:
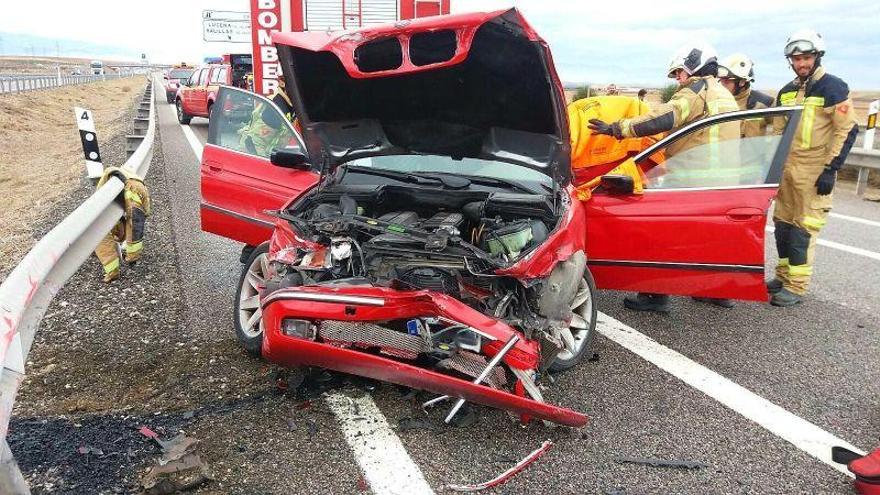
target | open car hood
[{"x": 478, "y": 85}]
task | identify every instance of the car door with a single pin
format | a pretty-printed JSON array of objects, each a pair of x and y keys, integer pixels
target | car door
[
  {"x": 200, "y": 95},
  {"x": 698, "y": 228},
  {"x": 186, "y": 94},
  {"x": 237, "y": 180}
]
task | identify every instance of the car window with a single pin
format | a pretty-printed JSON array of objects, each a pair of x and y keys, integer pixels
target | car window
[
  {"x": 445, "y": 164},
  {"x": 738, "y": 152},
  {"x": 248, "y": 123},
  {"x": 203, "y": 77},
  {"x": 194, "y": 78},
  {"x": 219, "y": 76}
]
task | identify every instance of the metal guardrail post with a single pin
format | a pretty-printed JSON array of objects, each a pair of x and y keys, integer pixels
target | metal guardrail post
[{"x": 26, "y": 293}]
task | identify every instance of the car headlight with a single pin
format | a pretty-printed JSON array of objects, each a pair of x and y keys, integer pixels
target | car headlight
[{"x": 302, "y": 329}]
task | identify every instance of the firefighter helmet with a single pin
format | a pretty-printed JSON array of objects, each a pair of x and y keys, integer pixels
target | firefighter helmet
[
  {"x": 805, "y": 41},
  {"x": 691, "y": 57},
  {"x": 737, "y": 66}
]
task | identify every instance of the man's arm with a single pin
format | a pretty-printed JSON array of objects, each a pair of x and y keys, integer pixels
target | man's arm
[
  {"x": 663, "y": 118},
  {"x": 845, "y": 130}
]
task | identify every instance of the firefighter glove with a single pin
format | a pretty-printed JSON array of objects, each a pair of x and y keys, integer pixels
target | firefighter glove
[
  {"x": 601, "y": 127},
  {"x": 825, "y": 182}
]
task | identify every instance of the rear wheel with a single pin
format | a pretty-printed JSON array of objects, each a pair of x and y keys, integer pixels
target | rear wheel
[
  {"x": 582, "y": 326},
  {"x": 247, "y": 314},
  {"x": 182, "y": 117}
]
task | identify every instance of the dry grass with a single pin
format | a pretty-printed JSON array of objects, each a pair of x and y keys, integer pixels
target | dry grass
[
  {"x": 40, "y": 152},
  {"x": 11, "y": 64}
]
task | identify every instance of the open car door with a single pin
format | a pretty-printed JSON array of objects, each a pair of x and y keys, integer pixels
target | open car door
[
  {"x": 237, "y": 179},
  {"x": 698, "y": 228}
]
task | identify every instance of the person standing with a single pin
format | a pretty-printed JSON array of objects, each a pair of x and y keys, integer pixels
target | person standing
[
  {"x": 737, "y": 73},
  {"x": 825, "y": 134}
]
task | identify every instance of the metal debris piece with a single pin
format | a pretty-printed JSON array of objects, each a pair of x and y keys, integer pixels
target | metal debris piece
[
  {"x": 85, "y": 449},
  {"x": 183, "y": 474},
  {"x": 176, "y": 448},
  {"x": 506, "y": 475},
  {"x": 647, "y": 461}
]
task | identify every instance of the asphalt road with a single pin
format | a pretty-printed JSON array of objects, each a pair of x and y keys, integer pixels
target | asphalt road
[{"x": 745, "y": 391}]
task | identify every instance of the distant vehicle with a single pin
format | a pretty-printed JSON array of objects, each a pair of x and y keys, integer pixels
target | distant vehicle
[
  {"x": 97, "y": 67},
  {"x": 175, "y": 78},
  {"x": 195, "y": 96},
  {"x": 76, "y": 72}
]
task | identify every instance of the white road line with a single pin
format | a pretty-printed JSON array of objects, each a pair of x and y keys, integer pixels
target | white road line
[
  {"x": 382, "y": 458},
  {"x": 778, "y": 421},
  {"x": 194, "y": 142},
  {"x": 844, "y": 247},
  {"x": 865, "y": 221}
]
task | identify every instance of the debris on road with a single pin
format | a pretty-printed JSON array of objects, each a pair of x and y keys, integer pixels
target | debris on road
[
  {"x": 506, "y": 475},
  {"x": 647, "y": 461},
  {"x": 85, "y": 450},
  {"x": 182, "y": 474}
]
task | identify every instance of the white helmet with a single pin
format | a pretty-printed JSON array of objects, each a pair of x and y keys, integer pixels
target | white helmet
[
  {"x": 805, "y": 41},
  {"x": 737, "y": 65},
  {"x": 691, "y": 57}
]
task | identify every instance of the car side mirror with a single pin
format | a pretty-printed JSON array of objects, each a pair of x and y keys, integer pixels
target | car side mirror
[
  {"x": 618, "y": 184},
  {"x": 289, "y": 158}
]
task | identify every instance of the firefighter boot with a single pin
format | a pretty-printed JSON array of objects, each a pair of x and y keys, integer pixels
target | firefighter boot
[
  {"x": 774, "y": 285},
  {"x": 647, "y": 302},
  {"x": 785, "y": 298}
]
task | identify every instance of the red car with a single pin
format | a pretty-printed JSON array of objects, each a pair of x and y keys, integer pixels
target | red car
[
  {"x": 197, "y": 95},
  {"x": 174, "y": 78},
  {"x": 424, "y": 229}
]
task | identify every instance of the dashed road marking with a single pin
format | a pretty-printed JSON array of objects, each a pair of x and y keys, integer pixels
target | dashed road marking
[
  {"x": 851, "y": 218},
  {"x": 844, "y": 247},
  {"x": 799, "y": 432},
  {"x": 382, "y": 458}
]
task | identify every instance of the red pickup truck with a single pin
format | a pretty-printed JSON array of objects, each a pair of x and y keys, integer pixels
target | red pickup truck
[{"x": 196, "y": 95}]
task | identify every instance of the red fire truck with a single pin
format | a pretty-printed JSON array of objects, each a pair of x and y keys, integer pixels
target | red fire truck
[{"x": 268, "y": 16}]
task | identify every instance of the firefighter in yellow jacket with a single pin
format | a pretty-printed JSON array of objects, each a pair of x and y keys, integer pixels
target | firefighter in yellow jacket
[
  {"x": 130, "y": 227},
  {"x": 825, "y": 134},
  {"x": 700, "y": 95},
  {"x": 737, "y": 73}
]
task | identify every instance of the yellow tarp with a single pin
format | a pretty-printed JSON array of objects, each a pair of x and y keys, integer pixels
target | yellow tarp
[{"x": 593, "y": 150}]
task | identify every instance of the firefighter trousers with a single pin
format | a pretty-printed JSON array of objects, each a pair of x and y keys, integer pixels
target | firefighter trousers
[
  {"x": 130, "y": 229},
  {"x": 799, "y": 216}
]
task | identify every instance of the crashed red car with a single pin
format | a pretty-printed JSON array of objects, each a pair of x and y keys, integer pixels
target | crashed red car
[{"x": 424, "y": 226}]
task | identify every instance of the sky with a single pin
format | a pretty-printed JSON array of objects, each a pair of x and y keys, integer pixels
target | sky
[{"x": 628, "y": 43}]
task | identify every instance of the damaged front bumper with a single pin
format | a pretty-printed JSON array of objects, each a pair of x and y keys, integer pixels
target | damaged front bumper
[{"x": 355, "y": 308}]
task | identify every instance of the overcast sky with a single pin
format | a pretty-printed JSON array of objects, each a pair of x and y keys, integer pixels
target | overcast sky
[{"x": 623, "y": 42}]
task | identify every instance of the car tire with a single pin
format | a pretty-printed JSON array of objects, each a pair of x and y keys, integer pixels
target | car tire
[
  {"x": 169, "y": 99},
  {"x": 182, "y": 117},
  {"x": 247, "y": 314},
  {"x": 583, "y": 325},
  {"x": 210, "y": 105}
]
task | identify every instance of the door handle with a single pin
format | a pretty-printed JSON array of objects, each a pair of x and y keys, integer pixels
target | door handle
[
  {"x": 744, "y": 213},
  {"x": 214, "y": 168}
]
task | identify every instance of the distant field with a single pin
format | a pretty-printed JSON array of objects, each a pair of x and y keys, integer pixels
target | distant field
[
  {"x": 41, "y": 155},
  {"x": 11, "y": 64}
]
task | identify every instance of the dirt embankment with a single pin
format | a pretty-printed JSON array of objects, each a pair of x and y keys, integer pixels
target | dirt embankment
[{"x": 41, "y": 156}]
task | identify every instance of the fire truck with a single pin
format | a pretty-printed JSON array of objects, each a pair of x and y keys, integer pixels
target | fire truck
[{"x": 321, "y": 15}]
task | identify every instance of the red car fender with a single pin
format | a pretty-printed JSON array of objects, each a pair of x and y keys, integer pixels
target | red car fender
[
  {"x": 569, "y": 237},
  {"x": 290, "y": 351}
]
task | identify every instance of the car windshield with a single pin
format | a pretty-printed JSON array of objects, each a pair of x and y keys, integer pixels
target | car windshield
[
  {"x": 180, "y": 73},
  {"x": 445, "y": 164}
]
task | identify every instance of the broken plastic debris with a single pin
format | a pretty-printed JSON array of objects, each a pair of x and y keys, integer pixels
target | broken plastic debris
[
  {"x": 647, "y": 461},
  {"x": 506, "y": 475},
  {"x": 85, "y": 449}
]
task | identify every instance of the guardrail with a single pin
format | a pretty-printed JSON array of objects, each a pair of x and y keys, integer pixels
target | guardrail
[
  {"x": 865, "y": 160},
  {"x": 25, "y": 82},
  {"x": 28, "y": 290}
]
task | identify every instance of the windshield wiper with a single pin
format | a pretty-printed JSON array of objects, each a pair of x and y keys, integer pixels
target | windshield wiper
[{"x": 401, "y": 176}]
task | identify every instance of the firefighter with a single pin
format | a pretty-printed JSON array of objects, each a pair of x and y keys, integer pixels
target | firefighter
[
  {"x": 130, "y": 227},
  {"x": 642, "y": 94},
  {"x": 700, "y": 95},
  {"x": 737, "y": 73},
  {"x": 266, "y": 130},
  {"x": 825, "y": 134}
]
